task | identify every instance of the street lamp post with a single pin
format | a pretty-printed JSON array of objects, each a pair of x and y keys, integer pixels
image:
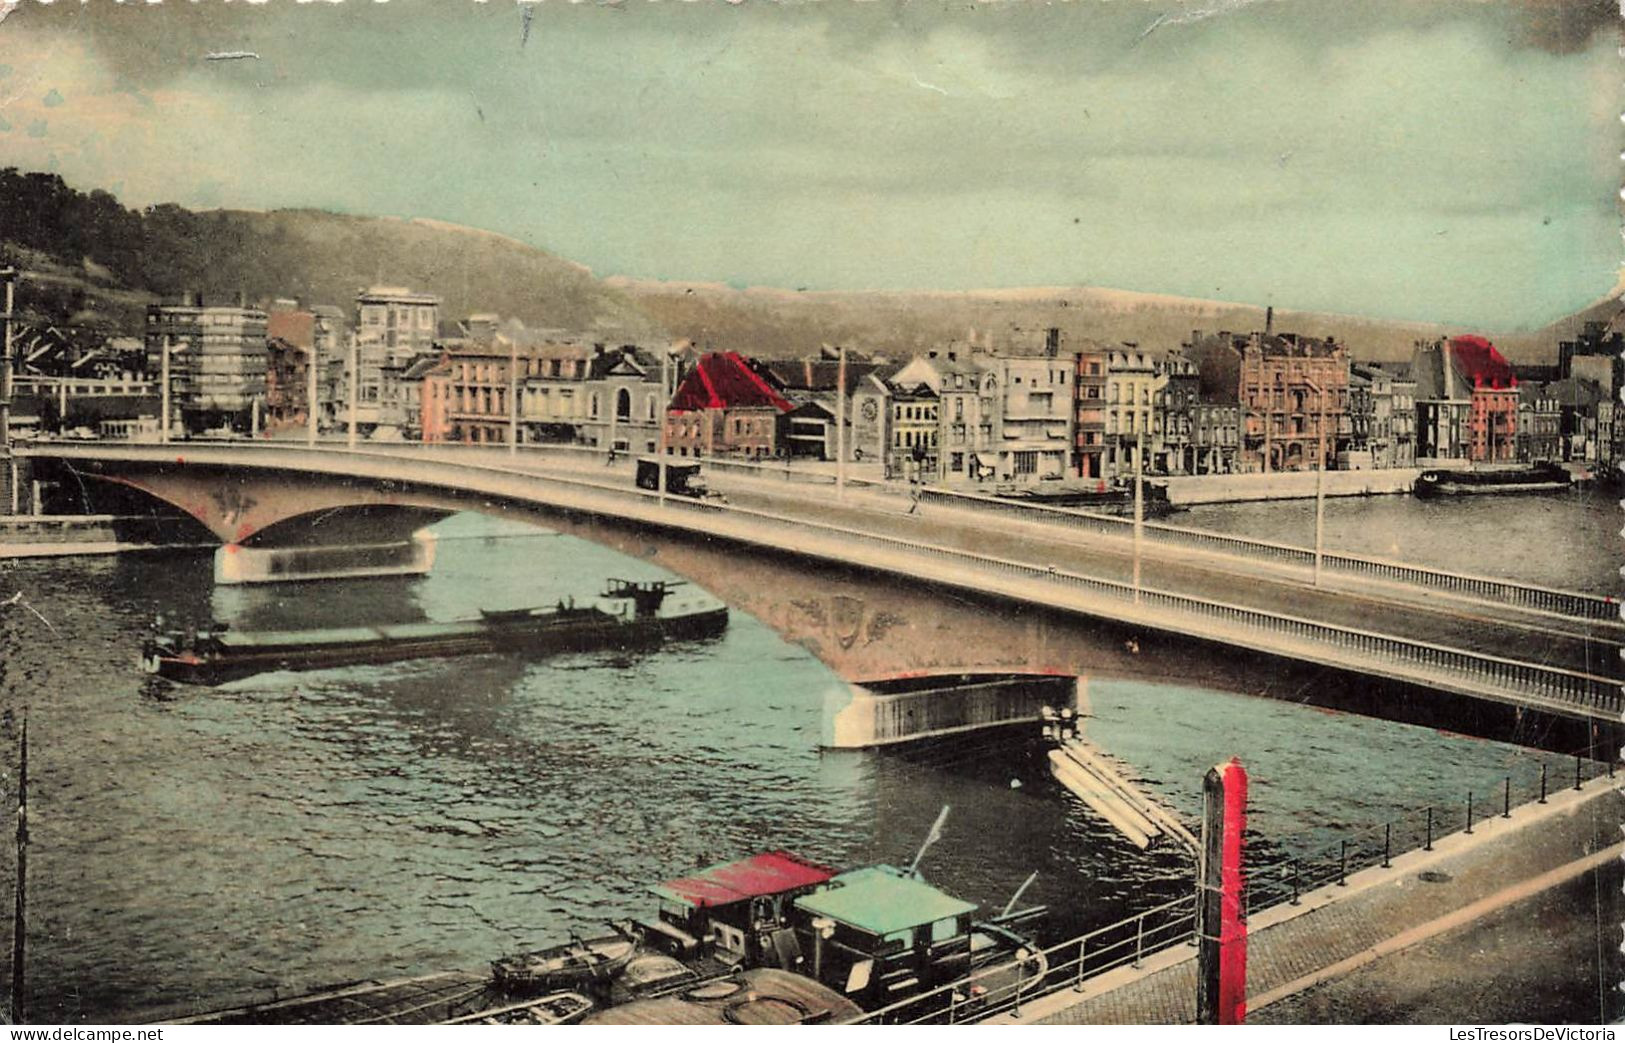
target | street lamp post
[
  {"x": 163, "y": 401},
  {"x": 1320, "y": 482},
  {"x": 310, "y": 396},
  {"x": 665, "y": 416},
  {"x": 1139, "y": 505},
  {"x": 513, "y": 396},
  {"x": 840, "y": 428},
  {"x": 355, "y": 365}
]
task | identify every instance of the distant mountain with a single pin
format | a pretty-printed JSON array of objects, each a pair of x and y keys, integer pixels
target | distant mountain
[
  {"x": 86, "y": 252},
  {"x": 782, "y": 322},
  {"x": 89, "y": 259}
]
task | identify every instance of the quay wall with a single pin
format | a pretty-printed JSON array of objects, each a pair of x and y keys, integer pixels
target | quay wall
[
  {"x": 65, "y": 535},
  {"x": 1287, "y": 485}
]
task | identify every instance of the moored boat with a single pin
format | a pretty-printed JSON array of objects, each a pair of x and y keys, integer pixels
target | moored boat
[
  {"x": 628, "y": 614},
  {"x": 1536, "y": 478},
  {"x": 581, "y": 963}
]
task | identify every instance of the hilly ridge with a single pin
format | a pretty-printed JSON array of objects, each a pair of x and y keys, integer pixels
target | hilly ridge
[{"x": 86, "y": 256}]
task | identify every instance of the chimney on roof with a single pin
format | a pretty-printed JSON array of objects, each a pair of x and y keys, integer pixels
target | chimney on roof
[
  {"x": 1052, "y": 341},
  {"x": 1269, "y": 319}
]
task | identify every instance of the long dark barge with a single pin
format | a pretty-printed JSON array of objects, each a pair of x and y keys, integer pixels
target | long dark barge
[
  {"x": 627, "y": 615},
  {"x": 1538, "y": 478}
]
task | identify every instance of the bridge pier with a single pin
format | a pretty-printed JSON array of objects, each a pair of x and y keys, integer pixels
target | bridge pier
[
  {"x": 235, "y": 563},
  {"x": 888, "y": 713}
]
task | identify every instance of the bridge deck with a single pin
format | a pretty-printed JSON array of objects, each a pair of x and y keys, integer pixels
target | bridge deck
[
  {"x": 1414, "y": 613},
  {"x": 1290, "y": 948}
]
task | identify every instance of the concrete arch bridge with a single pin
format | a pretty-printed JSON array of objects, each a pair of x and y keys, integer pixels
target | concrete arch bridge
[{"x": 951, "y": 614}]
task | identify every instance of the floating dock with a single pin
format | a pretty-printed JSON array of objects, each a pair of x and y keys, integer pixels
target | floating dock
[{"x": 1101, "y": 782}]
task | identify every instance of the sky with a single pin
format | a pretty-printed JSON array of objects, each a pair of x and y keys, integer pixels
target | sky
[{"x": 1447, "y": 160}]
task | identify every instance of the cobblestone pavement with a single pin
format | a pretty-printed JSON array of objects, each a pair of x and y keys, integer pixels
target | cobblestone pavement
[
  {"x": 1334, "y": 924},
  {"x": 1549, "y": 959}
]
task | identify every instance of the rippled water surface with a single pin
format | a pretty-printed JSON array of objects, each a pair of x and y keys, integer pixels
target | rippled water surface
[
  {"x": 292, "y": 830},
  {"x": 1567, "y": 540}
]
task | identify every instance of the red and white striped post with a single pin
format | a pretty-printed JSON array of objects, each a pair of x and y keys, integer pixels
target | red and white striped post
[{"x": 1221, "y": 979}]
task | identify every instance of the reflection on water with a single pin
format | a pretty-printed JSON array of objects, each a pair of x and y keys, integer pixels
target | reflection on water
[{"x": 300, "y": 828}]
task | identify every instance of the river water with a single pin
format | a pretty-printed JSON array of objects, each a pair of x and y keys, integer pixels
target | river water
[{"x": 290, "y": 830}]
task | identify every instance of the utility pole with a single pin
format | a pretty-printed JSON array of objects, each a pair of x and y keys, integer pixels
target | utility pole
[
  {"x": 840, "y": 427},
  {"x": 1139, "y": 504},
  {"x": 513, "y": 397},
  {"x": 1320, "y": 483},
  {"x": 310, "y": 394},
  {"x": 163, "y": 399},
  {"x": 355, "y": 365},
  {"x": 665, "y": 415}
]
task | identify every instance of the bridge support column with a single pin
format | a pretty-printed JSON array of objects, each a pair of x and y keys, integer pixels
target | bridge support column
[
  {"x": 886, "y": 713},
  {"x": 237, "y": 564}
]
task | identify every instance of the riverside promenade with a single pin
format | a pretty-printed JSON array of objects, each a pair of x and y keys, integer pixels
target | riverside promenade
[{"x": 1472, "y": 894}]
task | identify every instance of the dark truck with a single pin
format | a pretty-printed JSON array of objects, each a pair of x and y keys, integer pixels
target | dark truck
[{"x": 682, "y": 479}]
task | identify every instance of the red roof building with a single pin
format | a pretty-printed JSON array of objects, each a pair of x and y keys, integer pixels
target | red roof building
[
  {"x": 725, "y": 404},
  {"x": 1492, "y": 420}
]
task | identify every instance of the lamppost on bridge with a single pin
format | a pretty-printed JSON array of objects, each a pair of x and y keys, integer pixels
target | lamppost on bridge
[
  {"x": 355, "y": 365},
  {"x": 840, "y": 427},
  {"x": 666, "y": 393},
  {"x": 310, "y": 394},
  {"x": 1320, "y": 480},
  {"x": 164, "y": 397},
  {"x": 1139, "y": 502},
  {"x": 513, "y": 396}
]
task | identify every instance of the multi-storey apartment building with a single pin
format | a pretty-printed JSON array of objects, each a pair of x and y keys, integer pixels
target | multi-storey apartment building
[
  {"x": 1466, "y": 401},
  {"x": 1034, "y": 434},
  {"x": 961, "y": 397},
  {"x": 394, "y": 328},
  {"x": 1540, "y": 418},
  {"x": 1284, "y": 383},
  {"x": 217, "y": 360},
  {"x": 1493, "y": 417},
  {"x": 1215, "y": 436},
  {"x": 1089, "y": 431},
  {"x": 1133, "y": 384},
  {"x": 1173, "y": 446}
]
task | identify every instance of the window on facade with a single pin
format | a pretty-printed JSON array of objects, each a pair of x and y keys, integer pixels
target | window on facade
[
  {"x": 592, "y": 405},
  {"x": 623, "y": 404}
]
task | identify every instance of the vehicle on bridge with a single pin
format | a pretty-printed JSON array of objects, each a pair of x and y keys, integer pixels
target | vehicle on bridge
[
  {"x": 628, "y": 614},
  {"x": 682, "y": 479}
]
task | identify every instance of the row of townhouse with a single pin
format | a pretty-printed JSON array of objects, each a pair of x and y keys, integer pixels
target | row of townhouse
[{"x": 1033, "y": 408}]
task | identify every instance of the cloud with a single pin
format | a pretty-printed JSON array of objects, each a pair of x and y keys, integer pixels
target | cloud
[{"x": 1402, "y": 159}]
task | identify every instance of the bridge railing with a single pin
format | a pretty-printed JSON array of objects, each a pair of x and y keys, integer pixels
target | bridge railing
[
  {"x": 1361, "y": 650},
  {"x": 1005, "y": 985},
  {"x": 1549, "y": 684},
  {"x": 1283, "y": 879},
  {"x": 1573, "y": 604},
  {"x": 1534, "y": 597}
]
